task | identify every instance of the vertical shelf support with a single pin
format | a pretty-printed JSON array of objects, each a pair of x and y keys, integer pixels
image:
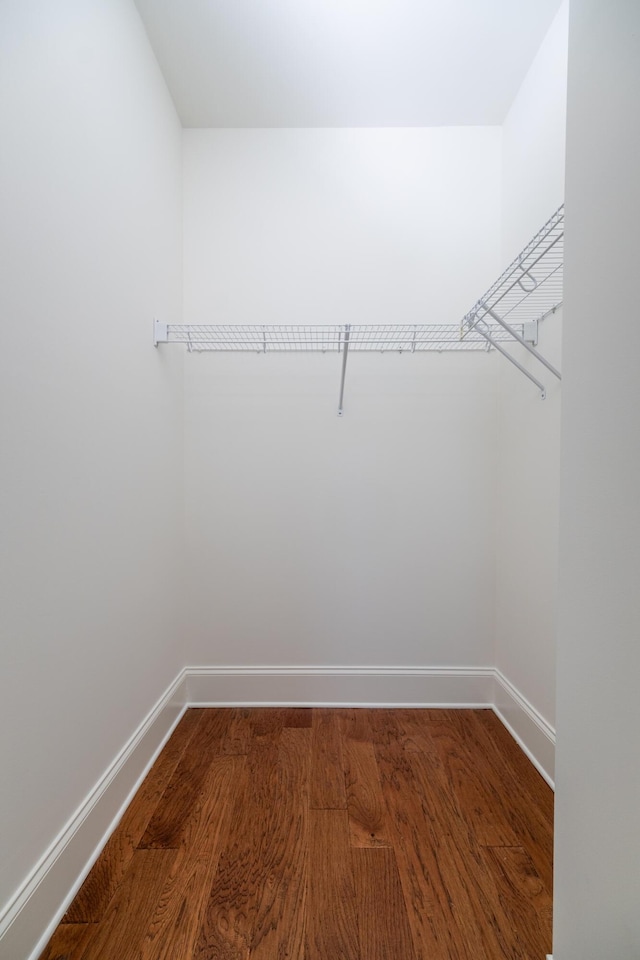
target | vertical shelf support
[{"x": 345, "y": 353}]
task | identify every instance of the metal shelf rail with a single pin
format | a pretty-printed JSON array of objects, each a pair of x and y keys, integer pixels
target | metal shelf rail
[{"x": 529, "y": 290}]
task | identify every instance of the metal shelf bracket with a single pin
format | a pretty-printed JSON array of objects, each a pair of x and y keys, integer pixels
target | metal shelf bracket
[
  {"x": 160, "y": 332},
  {"x": 345, "y": 353}
]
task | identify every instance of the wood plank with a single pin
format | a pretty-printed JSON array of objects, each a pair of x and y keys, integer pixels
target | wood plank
[
  {"x": 406, "y": 760},
  {"x": 267, "y": 722},
  {"x": 176, "y": 924},
  {"x": 94, "y": 896},
  {"x": 327, "y": 775},
  {"x": 480, "y": 799},
  {"x": 436, "y": 897},
  {"x": 68, "y": 941},
  {"x": 297, "y": 717},
  {"x": 165, "y": 827},
  {"x": 238, "y": 738},
  {"x": 256, "y": 903},
  {"x": 279, "y": 924},
  {"x": 332, "y": 919},
  {"x": 478, "y": 905},
  {"x": 131, "y": 911},
  {"x": 524, "y": 897},
  {"x": 355, "y": 723},
  {"x": 415, "y": 728},
  {"x": 491, "y": 908},
  {"x": 224, "y": 929},
  {"x": 456, "y": 909},
  {"x": 509, "y": 753},
  {"x": 527, "y": 801},
  {"x": 365, "y": 802},
  {"x": 408, "y": 726},
  {"x": 382, "y": 914}
]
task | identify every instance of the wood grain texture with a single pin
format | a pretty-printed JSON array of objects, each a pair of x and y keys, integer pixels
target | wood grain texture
[
  {"x": 327, "y": 772},
  {"x": 267, "y": 722},
  {"x": 132, "y": 908},
  {"x": 503, "y": 748},
  {"x": 365, "y": 803},
  {"x": 481, "y": 803},
  {"x": 530, "y": 801},
  {"x": 382, "y": 914},
  {"x": 279, "y": 924},
  {"x": 255, "y": 906},
  {"x": 68, "y": 941},
  {"x": 176, "y": 923},
  {"x": 297, "y": 717},
  {"x": 526, "y": 902},
  {"x": 94, "y": 896},
  {"x": 356, "y": 724},
  {"x": 251, "y": 839},
  {"x": 420, "y": 823},
  {"x": 166, "y": 826},
  {"x": 332, "y": 918},
  {"x": 238, "y": 738}
]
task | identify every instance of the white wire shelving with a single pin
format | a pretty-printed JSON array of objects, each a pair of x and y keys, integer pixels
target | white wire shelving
[
  {"x": 402, "y": 338},
  {"x": 528, "y": 291}
]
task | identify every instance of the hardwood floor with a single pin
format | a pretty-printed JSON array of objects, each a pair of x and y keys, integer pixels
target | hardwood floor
[{"x": 304, "y": 834}]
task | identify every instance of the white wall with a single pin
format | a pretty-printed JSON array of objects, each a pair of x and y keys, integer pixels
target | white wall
[
  {"x": 339, "y": 226},
  {"x": 91, "y": 414},
  {"x": 533, "y": 142},
  {"x": 598, "y": 774},
  {"x": 528, "y": 428},
  {"x": 367, "y": 539}
]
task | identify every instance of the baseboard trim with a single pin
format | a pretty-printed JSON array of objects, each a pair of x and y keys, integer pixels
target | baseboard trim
[
  {"x": 32, "y": 915},
  {"x": 527, "y": 726},
  {"x": 30, "y": 918},
  {"x": 340, "y": 686}
]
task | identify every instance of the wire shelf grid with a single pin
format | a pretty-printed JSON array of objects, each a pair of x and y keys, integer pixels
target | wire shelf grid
[
  {"x": 322, "y": 338},
  {"x": 531, "y": 287}
]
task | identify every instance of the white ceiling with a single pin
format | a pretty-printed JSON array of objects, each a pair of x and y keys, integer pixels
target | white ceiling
[{"x": 334, "y": 63}]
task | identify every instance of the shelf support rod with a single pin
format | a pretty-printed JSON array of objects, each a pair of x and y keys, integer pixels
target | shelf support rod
[
  {"x": 527, "y": 346},
  {"x": 345, "y": 352},
  {"x": 487, "y": 336}
]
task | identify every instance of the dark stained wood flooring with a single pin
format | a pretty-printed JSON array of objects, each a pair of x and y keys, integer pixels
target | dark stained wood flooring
[{"x": 305, "y": 834}]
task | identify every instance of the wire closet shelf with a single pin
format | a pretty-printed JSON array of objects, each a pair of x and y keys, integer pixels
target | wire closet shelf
[
  {"x": 528, "y": 291},
  {"x": 329, "y": 338}
]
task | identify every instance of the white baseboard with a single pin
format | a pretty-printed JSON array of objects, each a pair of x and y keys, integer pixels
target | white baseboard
[
  {"x": 526, "y": 725},
  {"x": 340, "y": 686},
  {"x": 33, "y": 913}
]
